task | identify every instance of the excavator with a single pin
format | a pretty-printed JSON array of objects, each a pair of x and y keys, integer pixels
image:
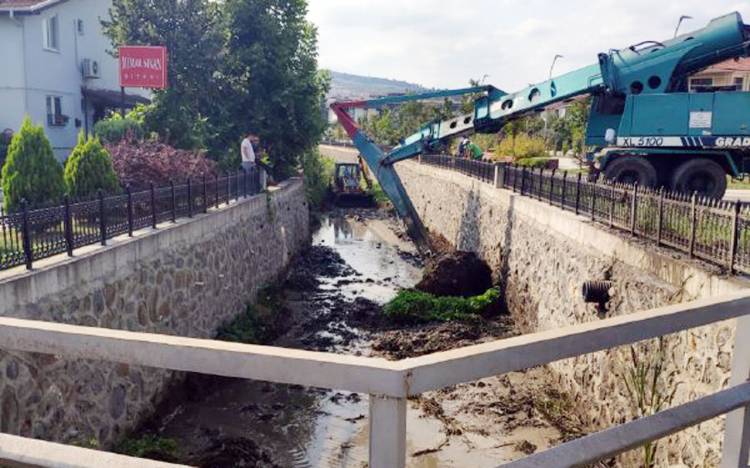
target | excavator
[{"x": 645, "y": 126}]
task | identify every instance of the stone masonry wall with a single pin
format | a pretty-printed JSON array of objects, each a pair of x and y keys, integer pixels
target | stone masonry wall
[
  {"x": 184, "y": 279},
  {"x": 542, "y": 256}
]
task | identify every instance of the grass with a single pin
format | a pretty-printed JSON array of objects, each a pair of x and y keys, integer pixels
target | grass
[
  {"x": 738, "y": 184},
  {"x": 258, "y": 323},
  {"x": 379, "y": 195},
  {"x": 416, "y": 306},
  {"x": 149, "y": 446}
]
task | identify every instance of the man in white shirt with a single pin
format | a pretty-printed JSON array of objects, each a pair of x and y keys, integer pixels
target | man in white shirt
[{"x": 248, "y": 153}]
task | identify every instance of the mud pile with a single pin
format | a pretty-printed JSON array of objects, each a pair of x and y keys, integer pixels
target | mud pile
[{"x": 456, "y": 274}]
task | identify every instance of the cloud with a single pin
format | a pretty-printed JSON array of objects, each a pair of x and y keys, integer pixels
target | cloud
[{"x": 442, "y": 43}]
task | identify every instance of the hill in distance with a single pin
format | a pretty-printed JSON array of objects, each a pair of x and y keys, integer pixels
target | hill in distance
[{"x": 345, "y": 86}]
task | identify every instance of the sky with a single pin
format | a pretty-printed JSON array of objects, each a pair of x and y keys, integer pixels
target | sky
[{"x": 444, "y": 43}]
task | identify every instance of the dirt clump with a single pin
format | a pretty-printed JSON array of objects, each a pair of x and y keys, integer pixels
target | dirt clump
[
  {"x": 235, "y": 452},
  {"x": 434, "y": 337},
  {"x": 456, "y": 274},
  {"x": 318, "y": 261}
]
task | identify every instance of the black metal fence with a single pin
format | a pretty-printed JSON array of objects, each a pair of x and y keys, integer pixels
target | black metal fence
[
  {"x": 30, "y": 235},
  {"x": 716, "y": 231}
]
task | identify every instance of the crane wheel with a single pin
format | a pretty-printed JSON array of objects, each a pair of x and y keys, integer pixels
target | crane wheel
[
  {"x": 701, "y": 175},
  {"x": 631, "y": 170}
]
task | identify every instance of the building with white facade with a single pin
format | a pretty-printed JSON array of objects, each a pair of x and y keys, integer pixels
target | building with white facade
[{"x": 56, "y": 69}]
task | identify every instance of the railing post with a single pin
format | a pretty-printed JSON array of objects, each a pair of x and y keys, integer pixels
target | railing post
[
  {"x": 68, "y": 226},
  {"x": 229, "y": 188},
  {"x": 130, "y": 211},
  {"x": 387, "y": 432},
  {"x": 551, "y": 185},
  {"x": 594, "y": 187},
  {"x": 497, "y": 176},
  {"x": 578, "y": 193},
  {"x": 102, "y": 219},
  {"x": 612, "y": 204},
  {"x": 660, "y": 216},
  {"x": 216, "y": 182},
  {"x": 736, "y": 448},
  {"x": 505, "y": 175},
  {"x": 633, "y": 208},
  {"x": 523, "y": 179},
  {"x": 735, "y": 234},
  {"x": 693, "y": 218},
  {"x": 153, "y": 206},
  {"x": 564, "y": 185},
  {"x": 244, "y": 184},
  {"x": 174, "y": 201},
  {"x": 205, "y": 195},
  {"x": 26, "y": 234},
  {"x": 515, "y": 174},
  {"x": 540, "y": 190},
  {"x": 190, "y": 197}
]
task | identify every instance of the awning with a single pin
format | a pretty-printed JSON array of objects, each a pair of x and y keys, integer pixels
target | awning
[{"x": 111, "y": 98}]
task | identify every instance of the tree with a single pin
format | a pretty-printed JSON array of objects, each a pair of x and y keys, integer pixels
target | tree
[
  {"x": 191, "y": 31},
  {"x": 31, "y": 171},
  {"x": 89, "y": 169},
  {"x": 274, "y": 87}
]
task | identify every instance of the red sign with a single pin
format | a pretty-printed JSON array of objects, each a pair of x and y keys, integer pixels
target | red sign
[{"x": 143, "y": 67}]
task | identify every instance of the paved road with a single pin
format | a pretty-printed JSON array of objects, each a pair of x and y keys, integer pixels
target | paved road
[
  {"x": 341, "y": 154},
  {"x": 741, "y": 195}
]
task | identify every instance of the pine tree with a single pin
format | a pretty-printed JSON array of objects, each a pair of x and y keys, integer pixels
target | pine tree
[
  {"x": 31, "y": 171},
  {"x": 89, "y": 169}
]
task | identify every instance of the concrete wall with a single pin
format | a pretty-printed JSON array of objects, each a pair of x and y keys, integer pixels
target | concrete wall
[
  {"x": 542, "y": 256},
  {"x": 184, "y": 279}
]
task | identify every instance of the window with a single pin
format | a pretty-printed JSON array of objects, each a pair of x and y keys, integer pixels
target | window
[
  {"x": 55, "y": 117},
  {"x": 739, "y": 83},
  {"x": 52, "y": 33},
  {"x": 697, "y": 84}
]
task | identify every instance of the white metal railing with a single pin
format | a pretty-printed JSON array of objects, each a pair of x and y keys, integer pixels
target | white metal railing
[{"x": 390, "y": 383}]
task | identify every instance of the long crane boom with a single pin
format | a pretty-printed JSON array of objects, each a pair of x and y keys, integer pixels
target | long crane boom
[{"x": 650, "y": 68}]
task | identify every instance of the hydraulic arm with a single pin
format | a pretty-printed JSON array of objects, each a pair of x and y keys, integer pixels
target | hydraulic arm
[{"x": 642, "y": 115}]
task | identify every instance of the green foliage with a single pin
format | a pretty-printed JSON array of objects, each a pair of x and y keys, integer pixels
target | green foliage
[
  {"x": 533, "y": 163},
  {"x": 235, "y": 67},
  {"x": 522, "y": 146},
  {"x": 390, "y": 125},
  {"x": 149, "y": 446},
  {"x": 647, "y": 384},
  {"x": 31, "y": 171},
  {"x": 416, "y": 306},
  {"x": 89, "y": 169},
  {"x": 318, "y": 171},
  {"x": 115, "y": 129},
  {"x": 259, "y": 323},
  {"x": 379, "y": 195}
]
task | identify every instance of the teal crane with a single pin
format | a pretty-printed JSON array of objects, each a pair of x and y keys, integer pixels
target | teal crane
[{"x": 645, "y": 126}]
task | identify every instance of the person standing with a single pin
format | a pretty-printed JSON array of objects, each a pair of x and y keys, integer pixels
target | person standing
[{"x": 248, "y": 152}]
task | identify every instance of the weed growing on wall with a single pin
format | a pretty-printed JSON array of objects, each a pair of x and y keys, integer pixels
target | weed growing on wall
[
  {"x": 648, "y": 387},
  {"x": 149, "y": 446}
]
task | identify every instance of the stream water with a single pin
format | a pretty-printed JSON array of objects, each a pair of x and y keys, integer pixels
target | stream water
[{"x": 236, "y": 422}]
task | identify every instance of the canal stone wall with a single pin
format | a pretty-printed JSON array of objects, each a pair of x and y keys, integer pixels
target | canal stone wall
[
  {"x": 542, "y": 255},
  {"x": 182, "y": 279}
]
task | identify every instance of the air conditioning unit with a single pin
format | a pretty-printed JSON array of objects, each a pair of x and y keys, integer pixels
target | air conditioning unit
[{"x": 90, "y": 69}]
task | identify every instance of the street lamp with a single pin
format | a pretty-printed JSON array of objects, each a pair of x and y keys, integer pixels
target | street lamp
[
  {"x": 679, "y": 23},
  {"x": 554, "y": 61}
]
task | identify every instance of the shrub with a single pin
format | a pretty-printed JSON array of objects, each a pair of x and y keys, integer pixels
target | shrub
[
  {"x": 114, "y": 129},
  {"x": 535, "y": 163},
  {"x": 416, "y": 306},
  {"x": 31, "y": 171},
  {"x": 89, "y": 169},
  {"x": 318, "y": 171},
  {"x": 140, "y": 163},
  {"x": 522, "y": 146}
]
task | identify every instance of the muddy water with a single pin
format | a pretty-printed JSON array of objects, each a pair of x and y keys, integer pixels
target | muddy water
[{"x": 290, "y": 426}]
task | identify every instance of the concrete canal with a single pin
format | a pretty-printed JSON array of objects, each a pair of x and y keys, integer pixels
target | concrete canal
[{"x": 331, "y": 300}]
